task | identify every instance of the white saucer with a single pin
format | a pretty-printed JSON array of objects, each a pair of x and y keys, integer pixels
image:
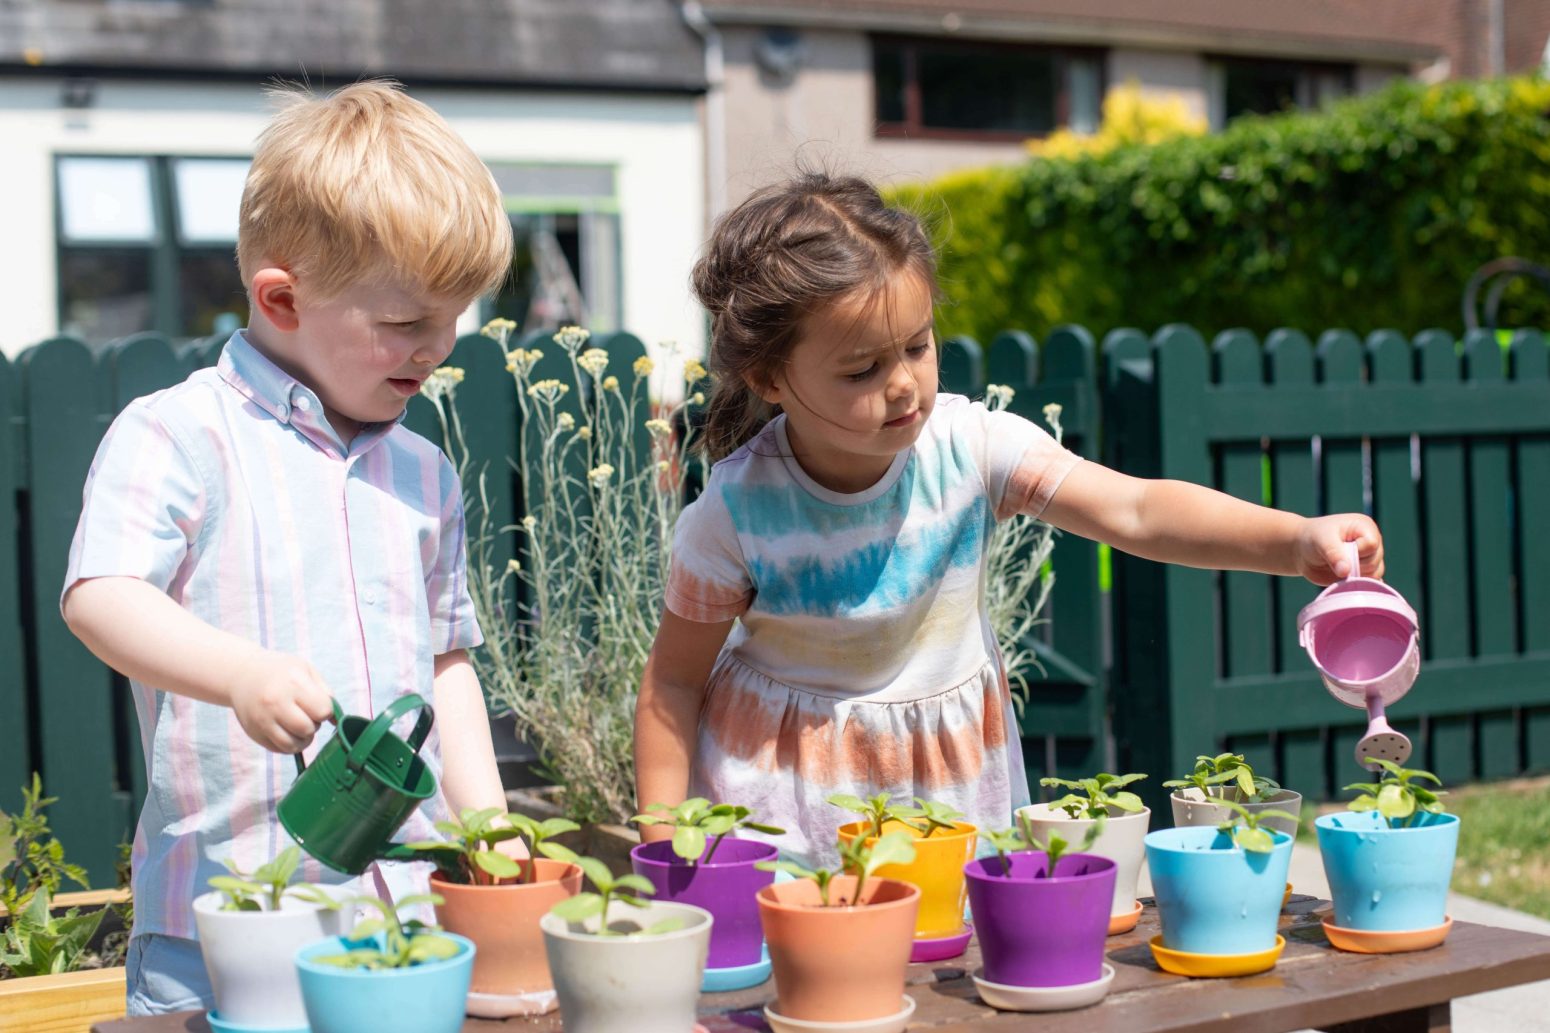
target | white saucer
[
  {"x": 504, "y": 1006},
  {"x": 888, "y": 1024},
  {"x": 1044, "y": 998}
]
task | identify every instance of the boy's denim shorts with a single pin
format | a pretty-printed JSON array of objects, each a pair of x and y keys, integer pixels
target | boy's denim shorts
[{"x": 165, "y": 974}]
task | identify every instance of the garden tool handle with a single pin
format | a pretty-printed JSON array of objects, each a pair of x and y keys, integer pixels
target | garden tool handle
[
  {"x": 301, "y": 763},
  {"x": 362, "y": 749}
]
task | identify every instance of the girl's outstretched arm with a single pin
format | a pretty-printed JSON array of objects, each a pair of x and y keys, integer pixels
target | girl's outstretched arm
[
  {"x": 667, "y": 712},
  {"x": 1178, "y": 522}
]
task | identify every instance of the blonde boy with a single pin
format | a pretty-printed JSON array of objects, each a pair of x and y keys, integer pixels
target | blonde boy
[{"x": 265, "y": 536}]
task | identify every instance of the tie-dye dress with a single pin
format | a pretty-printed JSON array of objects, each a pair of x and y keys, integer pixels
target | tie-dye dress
[{"x": 863, "y": 659}]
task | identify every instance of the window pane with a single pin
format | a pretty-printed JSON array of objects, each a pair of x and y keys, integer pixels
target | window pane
[
  {"x": 987, "y": 89},
  {"x": 106, "y": 199},
  {"x": 210, "y": 287},
  {"x": 104, "y": 293},
  {"x": 888, "y": 81},
  {"x": 209, "y": 196},
  {"x": 1083, "y": 85},
  {"x": 1261, "y": 89}
]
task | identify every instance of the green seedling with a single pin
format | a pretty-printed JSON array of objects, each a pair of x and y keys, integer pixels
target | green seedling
[
  {"x": 877, "y": 811},
  {"x": 1005, "y": 841},
  {"x": 934, "y": 816},
  {"x": 268, "y": 885},
  {"x": 395, "y": 943},
  {"x": 1096, "y": 797},
  {"x": 856, "y": 857},
  {"x": 697, "y": 820},
  {"x": 1244, "y": 826},
  {"x": 1396, "y": 796},
  {"x": 468, "y": 856},
  {"x": 38, "y": 943},
  {"x": 626, "y": 889},
  {"x": 1215, "y": 776},
  {"x": 30, "y": 857}
]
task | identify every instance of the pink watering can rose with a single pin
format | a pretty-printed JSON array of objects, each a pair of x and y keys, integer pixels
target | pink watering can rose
[{"x": 1365, "y": 641}]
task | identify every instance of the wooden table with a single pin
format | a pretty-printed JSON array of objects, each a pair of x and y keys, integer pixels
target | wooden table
[{"x": 1312, "y": 986}]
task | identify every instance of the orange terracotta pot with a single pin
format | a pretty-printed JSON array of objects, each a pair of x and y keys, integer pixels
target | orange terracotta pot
[
  {"x": 839, "y": 964},
  {"x": 503, "y": 923}
]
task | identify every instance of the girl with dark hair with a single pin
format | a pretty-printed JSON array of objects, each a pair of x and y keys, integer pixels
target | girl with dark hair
[{"x": 825, "y": 627}]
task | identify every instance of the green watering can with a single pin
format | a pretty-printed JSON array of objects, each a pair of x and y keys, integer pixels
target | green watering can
[{"x": 363, "y": 785}]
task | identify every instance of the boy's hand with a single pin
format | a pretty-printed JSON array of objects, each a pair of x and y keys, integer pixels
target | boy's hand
[
  {"x": 1323, "y": 552},
  {"x": 280, "y": 700}
]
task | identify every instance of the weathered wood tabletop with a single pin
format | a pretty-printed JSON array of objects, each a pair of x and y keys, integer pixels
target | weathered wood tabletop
[{"x": 1312, "y": 986}]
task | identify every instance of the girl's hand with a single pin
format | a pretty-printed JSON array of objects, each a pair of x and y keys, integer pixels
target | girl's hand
[{"x": 1323, "y": 555}]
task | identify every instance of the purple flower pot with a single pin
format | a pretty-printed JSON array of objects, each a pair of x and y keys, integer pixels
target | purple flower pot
[
  {"x": 1041, "y": 931},
  {"x": 726, "y": 887}
]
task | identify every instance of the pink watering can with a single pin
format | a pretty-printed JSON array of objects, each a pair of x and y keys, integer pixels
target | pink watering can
[{"x": 1366, "y": 642}]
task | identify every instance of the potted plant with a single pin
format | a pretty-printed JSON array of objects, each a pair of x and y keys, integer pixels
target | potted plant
[
  {"x": 1389, "y": 860},
  {"x": 250, "y": 927},
  {"x": 496, "y": 901},
  {"x": 1198, "y": 797},
  {"x": 943, "y": 845},
  {"x": 1219, "y": 889},
  {"x": 1120, "y": 820},
  {"x": 387, "y": 976},
  {"x": 706, "y": 866},
  {"x": 622, "y": 963},
  {"x": 840, "y": 943},
  {"x": 60, "y": 953},
  {"x": 1041, "y": 915}
]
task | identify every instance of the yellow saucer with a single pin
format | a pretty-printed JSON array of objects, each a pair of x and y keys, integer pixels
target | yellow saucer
[
  {"x": 1125, "y": 920},
  {"x": 1286, "y": 898},
  {"x": 1183, "y": 963}
]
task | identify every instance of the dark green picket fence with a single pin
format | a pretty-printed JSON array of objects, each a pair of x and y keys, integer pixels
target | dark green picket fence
[{"x": 1450, "y": 449}]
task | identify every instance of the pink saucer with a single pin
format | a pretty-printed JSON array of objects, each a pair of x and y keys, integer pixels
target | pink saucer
[{"x": 943, "y": 947}]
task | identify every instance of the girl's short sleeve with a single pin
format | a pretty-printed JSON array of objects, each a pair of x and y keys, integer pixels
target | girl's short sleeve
[
  {"x": 707, "y": 580},
  {"x": 1024, "y": 465}
]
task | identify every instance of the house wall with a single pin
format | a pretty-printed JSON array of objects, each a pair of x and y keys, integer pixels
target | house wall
[
  {"x": 824, "y": 115},
  {"x": 655, "y": 144}
]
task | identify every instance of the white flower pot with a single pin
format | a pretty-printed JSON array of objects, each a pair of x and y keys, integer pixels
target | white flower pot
[
  {"x": 1122, "y": 841},
  {"x": 1192, "y": 807},
  {"x": 250, "y": 957},
  {"x": 632, "y": 983}
]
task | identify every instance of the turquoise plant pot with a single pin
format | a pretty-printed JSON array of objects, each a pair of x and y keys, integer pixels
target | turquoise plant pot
[
  {"x": 1388, "y": 880},
  {"x": 1213, "y": 896},
  {"x": 426, "y": 998}
]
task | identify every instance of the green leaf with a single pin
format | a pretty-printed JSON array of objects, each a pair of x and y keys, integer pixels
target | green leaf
[
  {"x": 497, "y": 864},
  {"x": 894, "y": 848},
  {"x": 596, "y": 871},
  {"x": 578, "y": 908},
  {"x": 1258, "y": 840},
  {"x": 1394, "y": 803},
  {"x": 558, "y": 852},
  {"x": 1128, "y": 802},
  {"x": 639, "y": 883},
  {"x": 689, "y": 842},
  {"x": 667, "y": 925}
]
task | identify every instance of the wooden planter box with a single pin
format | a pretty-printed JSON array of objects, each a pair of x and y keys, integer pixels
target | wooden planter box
[{"x": 71, "y": 1002}]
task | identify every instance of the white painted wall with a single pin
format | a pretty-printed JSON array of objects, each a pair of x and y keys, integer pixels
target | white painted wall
[{"x": 654, "y": 142}]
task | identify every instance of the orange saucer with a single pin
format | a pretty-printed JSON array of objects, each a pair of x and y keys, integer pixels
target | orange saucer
[
  {"x": 1367, "y": 941},
  {"x": 1286, "y": 898},
  {"x": 1124, "y": 921},
  {"x": 1184, "y": 963}
]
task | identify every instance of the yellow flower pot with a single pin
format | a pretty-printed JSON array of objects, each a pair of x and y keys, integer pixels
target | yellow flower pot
[{"x": 937, "y": 870}]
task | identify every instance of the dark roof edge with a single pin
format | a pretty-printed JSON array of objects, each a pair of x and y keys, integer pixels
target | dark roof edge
[
  {"x": 248, "y": 75},
  {"x": 1217, "y": 41}
]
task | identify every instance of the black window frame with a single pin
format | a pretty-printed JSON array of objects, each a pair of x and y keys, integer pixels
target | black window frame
[{"x": 912, "y": 126}]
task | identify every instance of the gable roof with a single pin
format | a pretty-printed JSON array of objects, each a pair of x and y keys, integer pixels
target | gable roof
[
  {"x": 603, "y": 44},
  {"x": 1397, "y": 31}
]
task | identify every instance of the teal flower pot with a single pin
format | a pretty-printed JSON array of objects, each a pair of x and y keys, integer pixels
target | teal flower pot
[
  {"x": 1213, "y": 896},
  {"x": 1388, "y": 880},
  {"x": 426, "y": 998}
]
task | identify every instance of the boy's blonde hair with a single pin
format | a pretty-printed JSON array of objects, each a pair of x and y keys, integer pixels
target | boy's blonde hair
[{"x": 370, "y": 185}]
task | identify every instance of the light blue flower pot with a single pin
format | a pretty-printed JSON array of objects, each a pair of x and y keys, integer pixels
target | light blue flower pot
[
  {"x": 1388, "y": 880},
  {"x": 426, "y": 998},
  {"x": 1213, "y": 896}
]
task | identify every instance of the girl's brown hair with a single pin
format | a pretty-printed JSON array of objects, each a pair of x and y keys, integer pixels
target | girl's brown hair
[{"x": 775, "y": 259}]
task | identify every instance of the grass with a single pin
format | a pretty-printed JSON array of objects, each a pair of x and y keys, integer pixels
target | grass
[{"x": 1504, "y": 844}]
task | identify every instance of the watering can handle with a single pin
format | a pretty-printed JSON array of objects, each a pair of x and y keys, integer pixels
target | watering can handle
[
  {"x": 363, "y": 747},
  {"x": 301, "y": 764},
  {"x": 1356, "y": 561}
]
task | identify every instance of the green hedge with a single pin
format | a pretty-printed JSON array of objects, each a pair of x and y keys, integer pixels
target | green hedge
[{"x": 1371, "y": 213}]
